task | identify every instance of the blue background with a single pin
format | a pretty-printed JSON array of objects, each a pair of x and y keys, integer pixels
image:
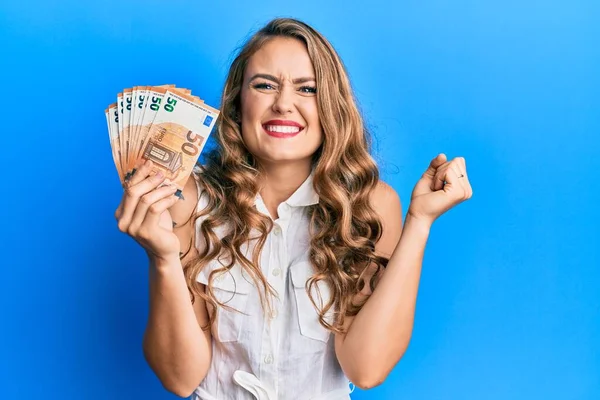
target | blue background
[{"x": 509, "y": 301}]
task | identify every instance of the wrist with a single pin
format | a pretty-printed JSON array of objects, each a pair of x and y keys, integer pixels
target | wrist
[
  {"x": 164, "y": 262},
  {"x": 419, "y": 223}
]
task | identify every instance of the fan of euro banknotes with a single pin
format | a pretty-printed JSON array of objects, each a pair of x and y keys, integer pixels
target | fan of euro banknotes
[{"x": 164, "y": 124}]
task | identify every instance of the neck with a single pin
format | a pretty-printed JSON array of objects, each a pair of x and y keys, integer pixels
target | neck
[{"x": 281, "y": 181}]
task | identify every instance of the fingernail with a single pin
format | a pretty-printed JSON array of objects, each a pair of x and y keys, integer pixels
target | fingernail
[{"x": 159, "y": 175}]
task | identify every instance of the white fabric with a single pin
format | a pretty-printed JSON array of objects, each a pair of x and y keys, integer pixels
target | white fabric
[{"x": 288, "y": 355}]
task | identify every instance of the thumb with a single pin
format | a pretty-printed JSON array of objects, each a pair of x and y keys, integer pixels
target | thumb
[
  {"x": 439, "y": 160},
  {"x": 425, "y": 184}
]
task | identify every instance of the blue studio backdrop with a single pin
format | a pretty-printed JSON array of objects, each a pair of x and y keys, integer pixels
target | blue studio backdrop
[{"x": 508, "y": 306}]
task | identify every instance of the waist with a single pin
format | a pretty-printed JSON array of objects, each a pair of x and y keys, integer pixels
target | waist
[{"x": 262, "y": 391}]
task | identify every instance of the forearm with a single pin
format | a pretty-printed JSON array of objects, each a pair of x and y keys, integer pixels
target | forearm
[
  {"x": 174, "y": 344},
  {"x": 380, "y": 333}
]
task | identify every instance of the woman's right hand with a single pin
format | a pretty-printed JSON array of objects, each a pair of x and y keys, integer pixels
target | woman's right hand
[{"x": 143, "y": 213}]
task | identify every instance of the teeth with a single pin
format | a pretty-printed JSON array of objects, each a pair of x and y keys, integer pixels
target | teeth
[{"x": 283, "y": 129}]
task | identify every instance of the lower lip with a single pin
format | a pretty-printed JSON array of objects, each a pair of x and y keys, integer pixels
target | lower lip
[{"x": 281, "y": 135}]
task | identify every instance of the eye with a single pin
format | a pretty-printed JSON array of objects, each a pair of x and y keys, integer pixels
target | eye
[
  {"x": 308, "y": 89},
  {"x": 263, "y": 85}
]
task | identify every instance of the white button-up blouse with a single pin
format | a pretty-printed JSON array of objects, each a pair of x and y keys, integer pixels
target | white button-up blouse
[{"x": 285, "y": 355}]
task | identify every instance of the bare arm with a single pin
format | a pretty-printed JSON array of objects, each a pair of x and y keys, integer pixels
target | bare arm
[
  {"x": 174, "y": 345},
  {"x": 378, "y": 336}
]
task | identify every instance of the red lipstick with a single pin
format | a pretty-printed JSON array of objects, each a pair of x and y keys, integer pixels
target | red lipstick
[{"x": 282, "y": 122}]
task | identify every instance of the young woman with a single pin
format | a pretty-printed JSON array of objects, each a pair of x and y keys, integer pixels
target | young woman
[{"x": 265, "y": 280}]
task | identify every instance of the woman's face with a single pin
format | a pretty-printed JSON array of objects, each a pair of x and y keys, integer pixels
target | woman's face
[{"x": 280, "y": 121}]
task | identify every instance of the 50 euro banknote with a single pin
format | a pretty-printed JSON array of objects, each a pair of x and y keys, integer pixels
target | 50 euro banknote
[{"x": 166, "y": 125}]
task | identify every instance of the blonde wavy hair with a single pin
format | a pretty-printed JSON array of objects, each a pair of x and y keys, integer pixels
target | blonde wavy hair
[{"x": 343, "y": 226}]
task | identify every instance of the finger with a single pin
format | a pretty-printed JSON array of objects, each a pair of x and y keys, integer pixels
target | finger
[
  {"x": 141, "y": 173},
  {"x": 462, "y": 163},
  {"x": 438, "y": 161},
  {"x": 429, "y": 174},
  {"x": 465, "y": 179},
  {"x": 131, "y": 173},
  {"x": 454, "y": 185},
  {"x": 156, "y": 209},
  {"x": 459, "y": 165},
  {"x": 119, "y": 211},
  {"x": 437, "y": 183},
  {"x": 134, "y": 193},
  {"x": 146, "y": 202},
  {"x": 460, "y": 176},
  {"x": 126, "y": 184}
]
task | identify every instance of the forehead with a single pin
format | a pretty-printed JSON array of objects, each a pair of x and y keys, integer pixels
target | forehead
[{"x": 285, "y": 57}]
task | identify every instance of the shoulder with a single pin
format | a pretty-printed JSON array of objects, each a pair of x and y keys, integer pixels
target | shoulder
[{"x": 385, "y": 201}]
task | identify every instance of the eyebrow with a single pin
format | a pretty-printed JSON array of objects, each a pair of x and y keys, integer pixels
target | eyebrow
[{"x": 274, "y": 79}]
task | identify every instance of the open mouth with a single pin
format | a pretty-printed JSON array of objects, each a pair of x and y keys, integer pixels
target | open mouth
[{"x": 282, "y": 130}]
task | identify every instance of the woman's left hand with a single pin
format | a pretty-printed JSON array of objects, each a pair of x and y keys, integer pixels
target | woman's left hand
[{"x": 444, "y": 185}]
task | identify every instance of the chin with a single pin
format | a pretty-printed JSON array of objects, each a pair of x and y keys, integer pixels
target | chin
[
  {"x": 282, "y": 150},
  {"x": 279, "y": 156},
  {"x": 282, "y": 158}
]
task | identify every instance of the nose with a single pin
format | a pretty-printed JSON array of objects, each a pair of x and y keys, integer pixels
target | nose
[{"x": 283, "y": 103}]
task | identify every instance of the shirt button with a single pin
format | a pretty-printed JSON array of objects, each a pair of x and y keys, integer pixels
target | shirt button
[
  {"x": 276, "y": 272},
  {"x": 269, "y": 359},
  {"x": 277, "y": 230}
]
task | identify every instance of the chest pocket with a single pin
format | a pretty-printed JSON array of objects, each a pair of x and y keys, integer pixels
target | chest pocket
[
  {"x": 233, "y": 289},
  {"x": 308, "y": 315}
]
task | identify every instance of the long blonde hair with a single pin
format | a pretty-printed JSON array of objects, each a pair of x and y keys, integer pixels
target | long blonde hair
[{"x": 343, "y": 226}]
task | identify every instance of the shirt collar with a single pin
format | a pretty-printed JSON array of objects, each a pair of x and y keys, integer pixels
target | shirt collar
[{"x": 304, "y": 196}]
